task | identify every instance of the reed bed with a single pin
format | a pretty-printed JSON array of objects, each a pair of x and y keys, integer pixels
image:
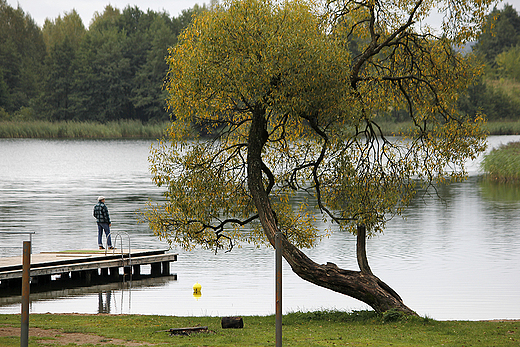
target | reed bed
[
  {"x": 503, "y": 127},
  {"x": 502, "y": 164},
  {"x": 81, "y": 130},
  {"x": 136, "y": 129}
]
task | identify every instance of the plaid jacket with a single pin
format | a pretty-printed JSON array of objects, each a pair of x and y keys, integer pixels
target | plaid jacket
[{"x": 101, "y": 213}]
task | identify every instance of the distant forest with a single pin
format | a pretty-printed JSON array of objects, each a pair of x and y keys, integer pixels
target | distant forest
[{"x": 114, "y": 69}]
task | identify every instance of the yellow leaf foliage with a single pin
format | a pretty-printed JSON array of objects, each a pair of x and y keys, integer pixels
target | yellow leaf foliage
[{"x": 321, "y": 78}]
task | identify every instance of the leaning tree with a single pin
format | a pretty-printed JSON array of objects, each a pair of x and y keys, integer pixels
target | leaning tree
[{"x": 274, "y": 98}]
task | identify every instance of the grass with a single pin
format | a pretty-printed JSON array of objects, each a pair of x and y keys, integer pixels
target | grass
[
  {"x": 135, "y": 129},
  {"x": 81, "y": 130},
  {"x": 502, "y": 164},
  {"x": 322, "y": 328}
]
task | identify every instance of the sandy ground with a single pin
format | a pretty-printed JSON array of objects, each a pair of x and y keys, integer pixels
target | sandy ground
[{"x": 53, "y": 336}]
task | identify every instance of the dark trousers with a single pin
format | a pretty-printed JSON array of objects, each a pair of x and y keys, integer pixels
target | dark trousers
[{"x": 106, "y": 228}]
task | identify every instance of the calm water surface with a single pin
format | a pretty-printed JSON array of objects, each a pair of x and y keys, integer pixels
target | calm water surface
[{"x": 452, "y": 258}]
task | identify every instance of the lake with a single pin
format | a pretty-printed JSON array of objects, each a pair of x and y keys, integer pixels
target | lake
[{"x": 453, "y": 257}]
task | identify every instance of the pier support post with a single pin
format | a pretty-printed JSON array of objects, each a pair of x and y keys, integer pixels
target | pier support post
[
  {"x": 90, "y": 275},
  {"x": 14, "y": 283},
  {"x": 165, "y": 268},
  {"x": 44, "y": 279},
  {"x": 156, "y": 269},
  {"x": 114, "y": 272},
  {"x": 137, "y": 270},
  {"x": 75, "y": 275}
]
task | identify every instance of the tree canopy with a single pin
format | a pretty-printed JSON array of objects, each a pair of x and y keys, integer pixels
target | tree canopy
[
  {"x": 21, "y": 58},
  {"x": 112, "y": 70},
  {"x": 292, "y": 109},
  {"x": 501, "y": 32}
]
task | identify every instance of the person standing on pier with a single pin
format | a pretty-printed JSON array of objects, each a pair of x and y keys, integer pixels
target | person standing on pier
[{"x": 103, "y": 222}]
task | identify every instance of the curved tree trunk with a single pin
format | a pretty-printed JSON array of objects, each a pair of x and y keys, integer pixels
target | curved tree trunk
[
  {"x": 361, "y": 250},
  {"x": 362, "y": 285}
]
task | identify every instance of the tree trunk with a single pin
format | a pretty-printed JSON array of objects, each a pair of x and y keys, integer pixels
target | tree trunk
[
  {"x": 361, "y": 250},
  {"x": 361, "y": 285}
]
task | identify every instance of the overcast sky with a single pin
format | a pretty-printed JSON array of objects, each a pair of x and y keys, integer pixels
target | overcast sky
[{"x": 41, "y": 9}]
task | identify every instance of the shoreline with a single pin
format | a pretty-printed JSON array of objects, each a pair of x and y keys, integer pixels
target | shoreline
[{"x": 135, "y": 129}]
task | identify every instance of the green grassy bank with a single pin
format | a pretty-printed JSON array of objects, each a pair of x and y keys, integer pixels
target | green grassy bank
[
  {"x": 491, "y": 128},
  {"x": 299, "y": 329},
  {"x": 135, "y": 129},
  {"x": 81, "y": 130}
]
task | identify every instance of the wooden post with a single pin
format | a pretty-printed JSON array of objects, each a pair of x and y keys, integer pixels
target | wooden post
[
  {"x": 76, "y": 275},
  {"x": 26, "y": 288},
  {"x": 43, "y": 279},
  {"x": 156, "y": 269},
  {"x": 90, "y": 275},
  {"x": 137, "y": 270},
  {"x": 278, "y": 256},
  {"x": 165, "y": 268},
  {"x": 114, "y": 272}
]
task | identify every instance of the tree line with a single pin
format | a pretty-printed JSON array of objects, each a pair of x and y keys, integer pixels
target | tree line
[
  {"x": 115, "y": 68},
  {"x": 497, "y": 92}
]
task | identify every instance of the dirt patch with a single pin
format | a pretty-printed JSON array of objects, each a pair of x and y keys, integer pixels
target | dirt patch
[{"x": 54, "y": 336}]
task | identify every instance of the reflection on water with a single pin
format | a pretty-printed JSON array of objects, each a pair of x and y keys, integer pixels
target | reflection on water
[
  {"x": 452, "y": 258},
  {"x": 501, "y": 193},
  {"x": 104, "y": 305}
]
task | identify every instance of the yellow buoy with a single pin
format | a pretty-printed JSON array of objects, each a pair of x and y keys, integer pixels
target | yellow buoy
[
  {"x": 197, "y": 288},
  {"x": 197, "y": 291}
]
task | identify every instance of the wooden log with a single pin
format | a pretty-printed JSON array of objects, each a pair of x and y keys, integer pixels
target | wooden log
[
  {"x": 232, "y": 323},
  {"x": 185, "y": 331}
]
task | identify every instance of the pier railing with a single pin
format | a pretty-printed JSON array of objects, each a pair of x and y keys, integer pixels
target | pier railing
[
  {"x": 30, "y": 233},
  {"x": 118, "y": 235}
]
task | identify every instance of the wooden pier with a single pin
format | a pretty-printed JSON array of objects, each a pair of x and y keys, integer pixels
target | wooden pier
[{"x": 84, "y": 267}]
